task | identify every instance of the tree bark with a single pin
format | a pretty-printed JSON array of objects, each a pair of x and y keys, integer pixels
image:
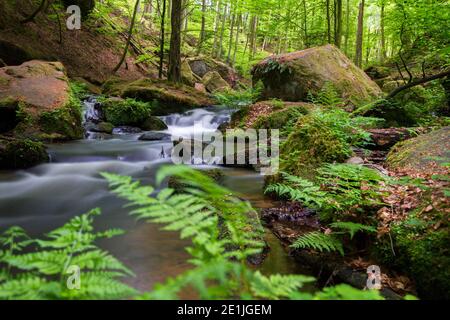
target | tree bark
[
  {"x": 359, "y": 35},
  {"x": 130, "y": 34},
  {"x": 328, "y": 21},
  {"x": 174, "y": 73},
  {"x": 202, "y": 30},
  {"x": 338, "y": 34},
  {"x": 161, "y": 39}
]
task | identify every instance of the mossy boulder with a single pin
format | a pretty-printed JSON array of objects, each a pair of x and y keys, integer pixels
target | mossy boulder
[
  {"x": 186, "y": 74},
  {"x": 312, "y": 142},
  {"x": 21, "y": 153},
  {"x": 165, "y": 97},
  {"x": 293, "y": 76},
  {"x": 125, "y": 112},
  {"x": 284, "y": 117},
  {"x": 201, "y": 65},
  {"x": 214, "y": 82},
  {"x": 423, "y": 152},
  {"x": 39, "y": 92}
]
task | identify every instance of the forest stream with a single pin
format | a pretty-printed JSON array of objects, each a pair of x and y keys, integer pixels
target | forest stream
[{"x": 46, "y": 196}]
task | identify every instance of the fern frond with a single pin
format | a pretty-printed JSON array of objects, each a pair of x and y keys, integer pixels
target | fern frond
[
  {"x": 277, "y": 286},
  {"x": 352, "y": 228},
  {"x": 318, "y": 241}
]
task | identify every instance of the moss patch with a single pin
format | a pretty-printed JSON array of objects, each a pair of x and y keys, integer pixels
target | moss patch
[
  {"x": 125, "y": 112},
  {"x": 165, "y": 97},
  {"x": 21, "y": 154},
  {"x": 422, "y": 152},
  {"x": 65, "y": 121},
  {"x": 313, "y": 141}
]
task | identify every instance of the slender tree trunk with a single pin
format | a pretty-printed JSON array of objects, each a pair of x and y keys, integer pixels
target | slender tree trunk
[
  {"x": 216, "y": 28},
  {"x": 130, "y": 34},
  {"x": 230, "y": 42},
  {"x": 359, "y": 35},
  {"x": 222, "y": 31},
  {"x": 237, "y": 39},
  {"x": 328, "y": 21},
  {"x": 338, "y": 15},
  {"x": 305, "y": 24},
  {"x": 174, "y": 73},
  {"x": 161, "y": 39},
  {"x": 202, "y": 30},
  {"x": 347, "y": 26},
  {"x": 383, "y": 39}
]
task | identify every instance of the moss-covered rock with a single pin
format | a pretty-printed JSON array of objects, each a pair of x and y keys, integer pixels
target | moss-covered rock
[
  {"x": 201, "y": 65},
  {"x": 214, "y": 82},
  {"x": 423, "y": 152},
  {"x": 44, "y": 104},
  {"x": 284, "y": 117},
  {"x": 21, "y": 154},
  {"x": 165, "y": 97},
  {"x": 423, "y": 252},
  {"x": 313, "y": 141},
  {"x": 125, "y": 112},
  {"x": 153, "y": 124},
  {"x": 293, "y": 76},
  {"x": 186, "y": 74}
]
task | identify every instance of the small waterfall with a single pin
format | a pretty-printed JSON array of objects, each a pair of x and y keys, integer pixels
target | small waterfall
[
  {"x": 196, "y": 121},
  {"x": 92, "y": 111}
]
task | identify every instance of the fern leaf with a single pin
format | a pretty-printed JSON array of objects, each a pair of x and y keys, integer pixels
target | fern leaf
[{"x": 318, "y": 241}]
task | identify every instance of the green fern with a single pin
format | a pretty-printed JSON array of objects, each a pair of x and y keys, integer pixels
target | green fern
[
  {"x": 277, "y": 286},
  {"x": 41, "y": 272},
  {"x": 352, "y": 228},
  {"x": 319, "y": 241}
]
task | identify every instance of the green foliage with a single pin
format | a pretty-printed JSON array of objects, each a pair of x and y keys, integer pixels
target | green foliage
[
  {"x": 327, "y": 96},
  {"x": 346, "y": 292},
  {"x": 352, "y": 228},
  {"x": 237, "y": 99},
  {"x": 284, "y": 119},
  {"x": 42, "y": 271},
  {"x": 322, "y": 136},
  {"x": 65, "y": 121},
  {"x": 127, "y": 112},
  {"x": 222, "y": 237},
  {"x": 339, "y": 188},
  {"x": 318, "y": 241}
]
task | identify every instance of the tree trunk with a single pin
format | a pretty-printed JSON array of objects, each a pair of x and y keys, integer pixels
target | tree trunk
[
  {"x": 347, "y": 26},
  {"x": 216, "y": 28},
  {"x": 130, "y": 34},
  {"x": 359, "y": 35},
  {"x": 230, "y": 42},
  {"x": 202, "y": 30},
  {"x": 383, "y": 39},
  {"x": 338, "y": 34},
  {"x": 174, "y": 73},
  {"x": 161, "y": 39},
  {"x": 328, "y": 21}
]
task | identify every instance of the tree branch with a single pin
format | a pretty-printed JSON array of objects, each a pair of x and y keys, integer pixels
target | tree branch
[{"x": 417, "y": 82}]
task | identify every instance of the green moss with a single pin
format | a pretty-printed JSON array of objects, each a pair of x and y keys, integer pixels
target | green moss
[
  {"x": 21, "y": 154},
  {"x": 422, "y": 151},
  {"x": 314, "y": 141},
  {"x": 126, "y": 112},
  {"x": 422, "y": 252},
  {"x": 284, "y": 119},
  {"x": 153, "y": 124},
  {"x": 65, "y": 120}
]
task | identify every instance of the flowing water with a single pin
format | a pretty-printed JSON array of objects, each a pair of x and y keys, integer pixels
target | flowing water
[{"x": 46, "y": 196}]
